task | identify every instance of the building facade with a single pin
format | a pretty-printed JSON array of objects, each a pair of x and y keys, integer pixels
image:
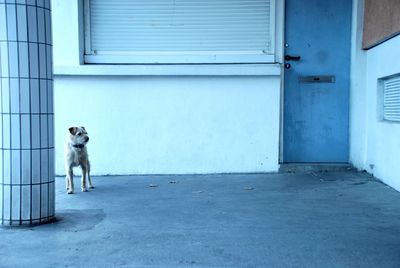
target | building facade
[{"x": 169, "y": 108}]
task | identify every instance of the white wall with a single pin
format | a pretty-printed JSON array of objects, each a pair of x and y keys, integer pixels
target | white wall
[
  {"x": 216, "y": 120},
  {"x": 358, "y": 93},
  {"x": 172, "y": 124},
  {"x": 375, "y": 144}
]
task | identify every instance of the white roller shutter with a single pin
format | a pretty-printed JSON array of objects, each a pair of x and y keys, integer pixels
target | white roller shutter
[{"x": 179, "y": 31}]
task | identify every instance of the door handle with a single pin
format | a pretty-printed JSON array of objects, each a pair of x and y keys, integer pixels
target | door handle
[{"x": 288, "y": 57}]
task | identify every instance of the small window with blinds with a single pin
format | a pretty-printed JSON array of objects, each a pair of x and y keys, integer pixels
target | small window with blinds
[
  {"x": 179, "y": 31},
  {"x": 391, "y": 99}
]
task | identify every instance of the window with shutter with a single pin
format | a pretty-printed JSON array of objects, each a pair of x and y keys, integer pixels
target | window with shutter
[{"x": 179, "y": 31}]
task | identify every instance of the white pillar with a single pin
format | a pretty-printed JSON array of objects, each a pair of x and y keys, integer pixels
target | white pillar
[{"x": 26, "y": 107}]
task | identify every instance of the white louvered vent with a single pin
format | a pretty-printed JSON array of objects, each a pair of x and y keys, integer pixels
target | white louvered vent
[
  {"x": 391, "y": 99},
  {"x": 231, "y": 30}
]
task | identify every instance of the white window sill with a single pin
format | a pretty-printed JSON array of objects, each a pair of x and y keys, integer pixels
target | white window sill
[{"x": 272, "y": 69}]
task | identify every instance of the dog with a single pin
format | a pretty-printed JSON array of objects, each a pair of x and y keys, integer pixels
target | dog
[{"x": 76, "y": 155}]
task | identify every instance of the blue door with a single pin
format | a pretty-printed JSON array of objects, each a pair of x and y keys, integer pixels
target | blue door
[{"x": 316, "y": 82}]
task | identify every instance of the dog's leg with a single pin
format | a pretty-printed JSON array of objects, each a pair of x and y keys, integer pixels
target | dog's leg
[
  {"x": 66, "y": 182},
  {"x": 84, "y": 171},
  {"x": 89, "y": 178},
  {"x": 70, "y": 181}
]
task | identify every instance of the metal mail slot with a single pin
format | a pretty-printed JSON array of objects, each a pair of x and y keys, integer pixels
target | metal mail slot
[{"x": 317, "y": 79}]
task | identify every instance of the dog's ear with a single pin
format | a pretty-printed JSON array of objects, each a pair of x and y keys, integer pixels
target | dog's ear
[
  {"x": 83, "y": 128},
  {"x": 72, "y": 130}
]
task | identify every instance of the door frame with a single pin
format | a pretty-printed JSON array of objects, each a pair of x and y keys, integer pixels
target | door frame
[{"x": 280, "y": 60}]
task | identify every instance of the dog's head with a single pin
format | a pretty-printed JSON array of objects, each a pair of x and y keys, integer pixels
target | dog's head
[{"x": 78, "y": 136}]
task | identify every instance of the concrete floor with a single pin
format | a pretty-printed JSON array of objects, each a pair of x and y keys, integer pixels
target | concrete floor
[{"x": 339, "y": 219}]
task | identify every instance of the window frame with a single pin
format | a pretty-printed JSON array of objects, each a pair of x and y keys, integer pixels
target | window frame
[{"x": 182, "y": 57}]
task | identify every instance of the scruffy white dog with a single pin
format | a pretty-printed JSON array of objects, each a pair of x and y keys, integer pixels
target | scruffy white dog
[{"x": 76, "y": 155}]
